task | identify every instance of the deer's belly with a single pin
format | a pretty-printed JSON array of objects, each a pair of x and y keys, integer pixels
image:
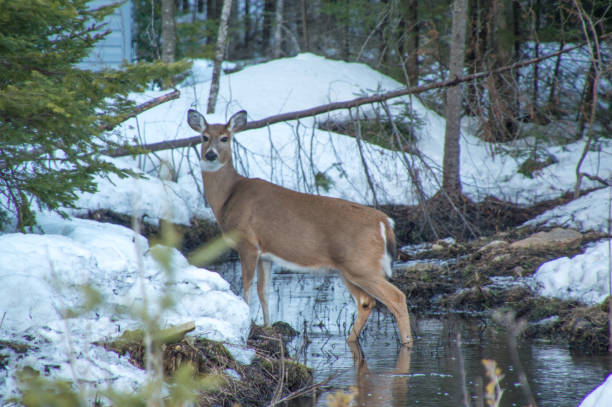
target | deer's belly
[{"x": 287, "y": 264}]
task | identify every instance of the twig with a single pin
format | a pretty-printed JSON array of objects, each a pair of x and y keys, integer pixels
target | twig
[
  {"x": 302, "y": 391},
  {"x": 363, "y": 159},
  {"x": 605, "y": 182},
  {"x": 278, "y": 392}
]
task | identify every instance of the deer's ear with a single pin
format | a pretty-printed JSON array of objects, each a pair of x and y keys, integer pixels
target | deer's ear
[
  {"x": 196, "y": 121},
  {"x": 237, "y": 121}
]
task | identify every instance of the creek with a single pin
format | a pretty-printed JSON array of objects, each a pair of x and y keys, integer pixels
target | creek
[{"x": 444, "y": 367}]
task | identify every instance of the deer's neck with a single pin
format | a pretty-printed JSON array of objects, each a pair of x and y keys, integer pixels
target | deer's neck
[{"x": 218, "y": 186}]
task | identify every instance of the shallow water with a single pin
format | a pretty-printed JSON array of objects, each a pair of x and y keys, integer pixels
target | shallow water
[{"x": 444, "y": 368}]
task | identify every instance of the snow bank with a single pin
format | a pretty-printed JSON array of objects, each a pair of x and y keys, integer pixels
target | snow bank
[
  {"x": 43, "y": 276},
  {"x": 148, "y": 198},
  {"x": 601, "y": 396},
  {"x": 584, "y": 277},
  {"x": 589, "y": 212}
]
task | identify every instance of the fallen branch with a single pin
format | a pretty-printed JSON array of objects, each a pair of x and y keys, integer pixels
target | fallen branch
[
  {"x": 175, "y": 94},
  {"x": 347, "y": 104}
]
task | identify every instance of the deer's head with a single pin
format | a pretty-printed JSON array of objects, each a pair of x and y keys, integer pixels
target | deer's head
[{"x": 216, "y": 138}]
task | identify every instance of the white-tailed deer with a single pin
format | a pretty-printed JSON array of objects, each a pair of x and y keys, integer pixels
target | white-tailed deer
[{"x": 298, "y": 230}]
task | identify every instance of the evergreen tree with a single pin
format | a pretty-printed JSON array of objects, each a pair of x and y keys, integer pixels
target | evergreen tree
[{"x": 53, "y": 114}]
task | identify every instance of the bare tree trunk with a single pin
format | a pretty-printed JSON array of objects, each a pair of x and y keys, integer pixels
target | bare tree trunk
[
  {"x": 451, "y": 181},
  {"x": 552, "y": 96},
  {"x": 247, "y": 26},
  {"x": 503, "y": 89},
  {"x": 584, "y": 109},
  {"x": 214, "y": 85},
  {"x": 277, "y": 46},
  {"x": 346, "y": 32},
  {"x": 411, "y": 41},
  {"x": 168, "y": 14},
  {"x": 554, "y": 81},
  {"x": 304, "y": 13},
  {"x": 212, "y": 13},
  {"x": 475, "y": 53},
  {"x": 266, "y": 28},
  {"x": 536, "y": 67}
]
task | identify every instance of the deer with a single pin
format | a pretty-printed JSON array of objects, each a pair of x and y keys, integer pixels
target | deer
[{"x": 272, "y": 224}]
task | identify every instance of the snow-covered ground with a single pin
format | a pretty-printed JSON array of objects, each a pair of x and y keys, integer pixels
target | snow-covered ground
[{"x": 43, "y": 274}]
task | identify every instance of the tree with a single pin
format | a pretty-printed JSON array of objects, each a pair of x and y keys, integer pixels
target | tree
[
  {"x": 410, "y": 44},
  {"x": 168, "y": 30},
  {"x": 277, "y": 46},
  {"x": 502, "y": 89},
  {"x": 53, "y": 115},
  {"x": 451, "y": 182},
  {"x": 219, "y": 54}
]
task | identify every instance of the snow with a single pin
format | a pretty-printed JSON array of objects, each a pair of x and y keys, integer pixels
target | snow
[
  {"x": 44, "y": 274},
  {"x": 584, "y": 277},
  {"x": 589, "y": 212},
  {"x": 601, "y": 396}
]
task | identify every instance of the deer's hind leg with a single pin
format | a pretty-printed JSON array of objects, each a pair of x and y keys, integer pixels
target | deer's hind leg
[
  {"x": 364, "y": 304},
  {"x": 375, "y": 285}
]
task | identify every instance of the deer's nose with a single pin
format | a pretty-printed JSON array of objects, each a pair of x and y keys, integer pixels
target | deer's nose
[{"x": 210, "y": 155}]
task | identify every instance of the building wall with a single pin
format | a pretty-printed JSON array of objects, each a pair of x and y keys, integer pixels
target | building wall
[{"x": 116, "y": 47}]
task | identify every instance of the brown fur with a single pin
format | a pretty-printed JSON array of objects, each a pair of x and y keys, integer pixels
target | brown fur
[{"x": 308, "y": 230}]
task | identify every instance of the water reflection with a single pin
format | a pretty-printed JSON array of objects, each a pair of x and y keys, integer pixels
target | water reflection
[
  {"x": 387, "y": 388},
  {"x": 444, "y": 368}
]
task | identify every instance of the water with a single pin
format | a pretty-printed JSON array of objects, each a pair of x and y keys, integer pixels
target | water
[{"x": 444, "y": 367}]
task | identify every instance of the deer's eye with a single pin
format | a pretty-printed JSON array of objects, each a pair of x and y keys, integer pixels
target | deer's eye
[
  {"x": 204, "y": 138},
  {"x": 223, "y": 139}
]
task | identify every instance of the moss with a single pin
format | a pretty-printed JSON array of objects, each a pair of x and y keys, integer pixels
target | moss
[{"x": 271, "y": 340}]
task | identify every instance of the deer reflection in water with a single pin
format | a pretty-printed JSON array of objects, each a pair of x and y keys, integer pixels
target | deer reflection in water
[{"x": 384, "y": 388}]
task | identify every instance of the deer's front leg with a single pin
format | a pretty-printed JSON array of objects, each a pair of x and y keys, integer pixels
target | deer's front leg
[
  {"x": 248, "y": 261},
  {"x": 263, "y": 281}
]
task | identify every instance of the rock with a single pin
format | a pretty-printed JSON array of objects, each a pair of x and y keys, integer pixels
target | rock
[
  {"x": 554, "y": 239},
  {"x": 502, "y": 258},
  {"x": 518, "y": 271},
  {"x": 416, "y": 267},
  {"x": 494, "y": 245},
  {"x": 436, "y": 247}
]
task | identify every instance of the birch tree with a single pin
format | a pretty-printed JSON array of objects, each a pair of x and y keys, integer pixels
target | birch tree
[{"x": 219, "y": 54}]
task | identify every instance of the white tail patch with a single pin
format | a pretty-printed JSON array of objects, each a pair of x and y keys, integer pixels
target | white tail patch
[{"x": 385, "y": 260}]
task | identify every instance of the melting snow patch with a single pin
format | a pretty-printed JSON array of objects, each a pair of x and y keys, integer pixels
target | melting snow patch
[{"x": 584, "y": 277}]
